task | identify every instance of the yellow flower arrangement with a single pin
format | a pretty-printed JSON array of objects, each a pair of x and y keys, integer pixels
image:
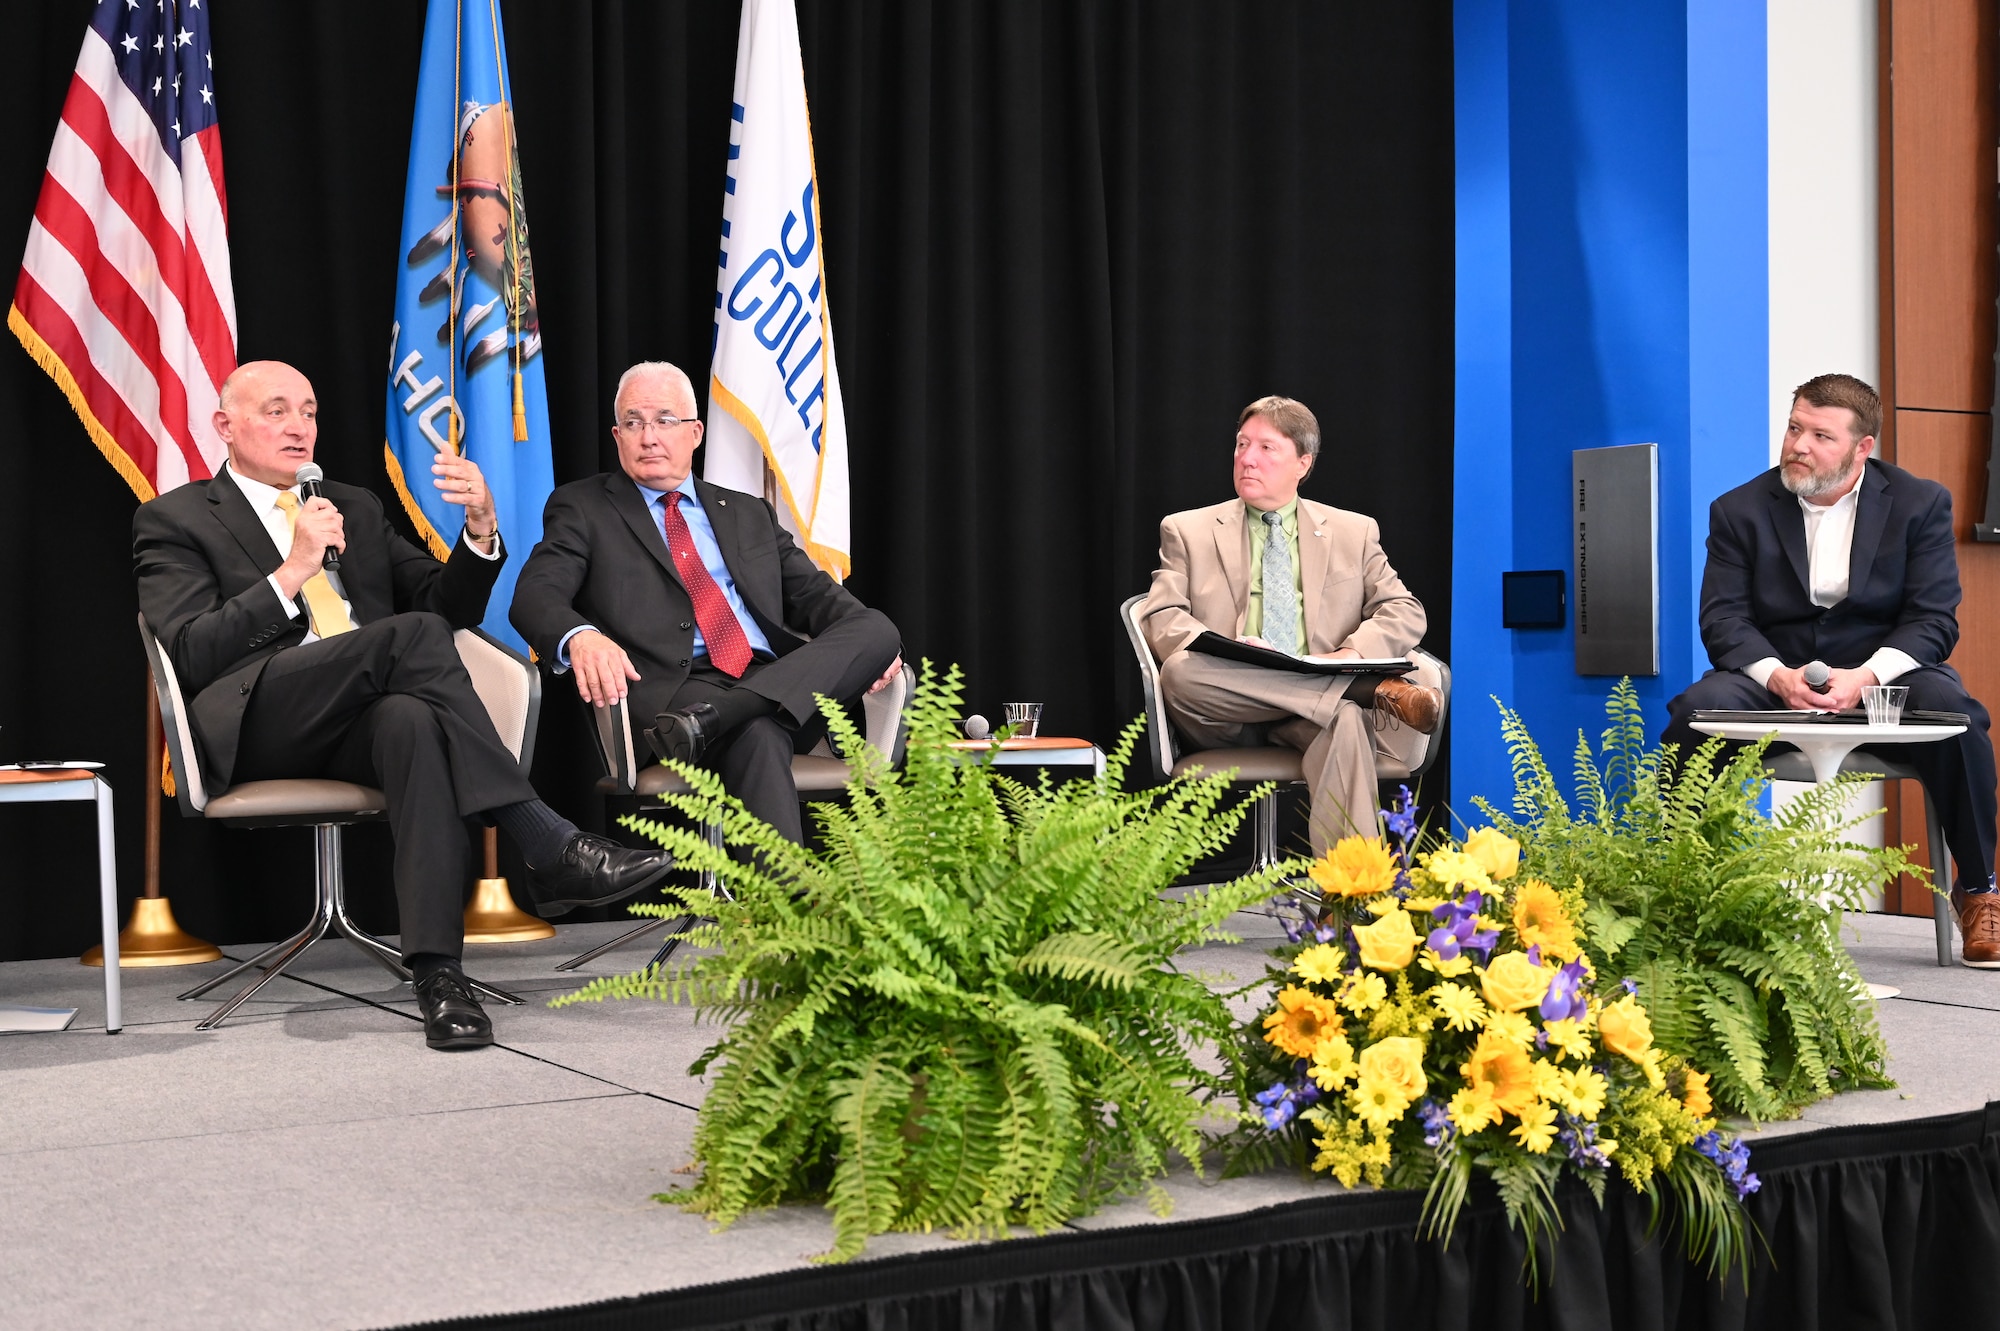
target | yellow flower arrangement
[
  {"x": 1390, "y": 943},
  {"x": 1302, "y": 1020},
  {"x": 1355, "y": 867},
  {"x": 1512, "y": 982},
  {"x": 1494, "y": 1054},
  {"x": 1540, "y": 920},
  {"x": 1495, "y": 852}
]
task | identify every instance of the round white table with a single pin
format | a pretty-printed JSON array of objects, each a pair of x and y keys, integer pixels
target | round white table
[{"x": 1826, "y": 744}]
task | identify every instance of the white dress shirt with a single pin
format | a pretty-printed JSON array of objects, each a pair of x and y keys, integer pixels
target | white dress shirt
[
  {"x": 1829, "y": 546},
  {"x": 264, "y": 503}
]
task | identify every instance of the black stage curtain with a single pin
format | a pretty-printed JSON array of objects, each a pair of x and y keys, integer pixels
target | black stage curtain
[
  {"x": 1867, "y": 1229},
  {"x": 1066, "y": 243}
]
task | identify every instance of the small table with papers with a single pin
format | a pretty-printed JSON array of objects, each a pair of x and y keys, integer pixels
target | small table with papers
[
  {"x": 74, "y": 781},
  {"x": 1039, "y": 751}
]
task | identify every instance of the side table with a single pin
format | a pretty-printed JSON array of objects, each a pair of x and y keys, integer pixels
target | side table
[
  {"x": 34, "y": 785},
  {"x": 1040, "y": 751}
]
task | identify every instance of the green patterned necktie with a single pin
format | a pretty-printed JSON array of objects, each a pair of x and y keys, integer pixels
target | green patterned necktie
[{"x": 1281, "y": 597}]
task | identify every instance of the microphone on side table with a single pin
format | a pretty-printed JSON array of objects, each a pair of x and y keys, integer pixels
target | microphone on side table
[
  {"x": 307, "y": 478},
  {"x": 1818, "y": 678}
]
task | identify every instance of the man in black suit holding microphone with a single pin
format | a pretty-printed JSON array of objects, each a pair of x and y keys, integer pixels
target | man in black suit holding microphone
[
  {"x": 298, "y": 669},
  {"x": 1833, "y": 572}
]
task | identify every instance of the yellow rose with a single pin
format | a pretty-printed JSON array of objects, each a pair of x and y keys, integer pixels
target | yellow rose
[
  {"x": 1495, "y": 852},
  {"x": 1626, "y": 1029},
  {"x": 1397, "y": 1061},
  {"x": 1390, "y": 943},
  {"x": 1355, "y": 867},
  {"x": 1512, "y": 982}
]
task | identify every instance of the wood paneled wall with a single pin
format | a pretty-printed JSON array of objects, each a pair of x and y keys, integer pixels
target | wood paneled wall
[{"x": 1938, "y": 169}]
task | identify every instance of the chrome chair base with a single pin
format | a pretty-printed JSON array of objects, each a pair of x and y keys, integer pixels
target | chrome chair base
[{"x": 329, "y": 916}]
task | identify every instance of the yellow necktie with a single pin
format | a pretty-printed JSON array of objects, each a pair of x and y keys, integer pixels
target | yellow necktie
[{"x": 323, "y": 604}]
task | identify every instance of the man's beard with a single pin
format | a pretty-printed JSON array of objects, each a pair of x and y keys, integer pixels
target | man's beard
[{"x": 1816, "y": 483}]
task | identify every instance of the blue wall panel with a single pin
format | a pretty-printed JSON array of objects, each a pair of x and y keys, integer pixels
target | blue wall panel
[{"x": 1634, "y": 269}]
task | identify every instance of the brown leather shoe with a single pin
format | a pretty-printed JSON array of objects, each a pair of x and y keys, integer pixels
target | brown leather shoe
[
  {"x": 1414, "y": 705},
  {"x": 1979, "y": 928}
]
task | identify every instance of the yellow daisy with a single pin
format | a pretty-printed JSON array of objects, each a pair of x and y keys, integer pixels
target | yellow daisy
[
  {"x": 1571, "y": 1039},
  {"x": 1585, "y": 1090},
  {"x": 1363, "y": 992},
  {"x": 1700, "y": 1104},
  {"x": 1459, "y": 1006},
  {"x": 1537, "y": 1128},
  {"x": 1377, "y": 1102},
  {"x": 1332, "y": 1063},
  {"x": 1512, "y": 1027},
  {"x": 1472, "y": 1110},
  {"x": 1320, "y": 963}
]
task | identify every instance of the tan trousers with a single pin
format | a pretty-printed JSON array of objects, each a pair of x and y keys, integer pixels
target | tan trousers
[{"x": 1228, "y": 704}]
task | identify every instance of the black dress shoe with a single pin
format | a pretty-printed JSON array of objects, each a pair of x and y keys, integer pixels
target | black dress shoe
[
  {"x": 684, "y": 735},
  {"x": 594, "y": 871},
  {"x": 453, "y": 1018}
]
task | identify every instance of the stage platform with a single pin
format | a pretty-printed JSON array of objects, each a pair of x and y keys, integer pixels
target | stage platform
[{"x": 312, "y": 1164}]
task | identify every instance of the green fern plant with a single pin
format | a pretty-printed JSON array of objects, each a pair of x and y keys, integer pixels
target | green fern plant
[
  {"x": 1727, "y": 919},
  {"x": 965, "y": 1010}
]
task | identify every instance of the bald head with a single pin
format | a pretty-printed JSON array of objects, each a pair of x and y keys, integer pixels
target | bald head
[{"x": 269, "y": 419}]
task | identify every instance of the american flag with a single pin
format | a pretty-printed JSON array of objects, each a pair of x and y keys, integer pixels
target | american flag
[{"x": 124, "y": 294}]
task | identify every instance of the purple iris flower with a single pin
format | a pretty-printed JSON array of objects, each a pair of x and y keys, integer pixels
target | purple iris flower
[
  {"x": 1631, "y": 986},
  {"x": 1401, "y": 817},
  {"x": 1564, "y": 1000},
  {"x": 1458, "y": 928}
]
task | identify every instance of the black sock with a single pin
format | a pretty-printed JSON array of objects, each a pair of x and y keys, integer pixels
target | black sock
[
  {"x": 739, "y": 707},
  {"x": 423, "y": 965},
  {"x": 538, "y": 830},
  {"x": 1361, "y": 689}
]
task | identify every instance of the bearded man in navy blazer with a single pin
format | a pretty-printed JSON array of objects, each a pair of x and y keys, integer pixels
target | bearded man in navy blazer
[
  {"x": 694, "y": 603},
  {"x": 1835, "y": 557}
]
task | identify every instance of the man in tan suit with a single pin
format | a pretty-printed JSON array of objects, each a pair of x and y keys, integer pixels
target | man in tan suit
[{"x": 1278, "y": 571}]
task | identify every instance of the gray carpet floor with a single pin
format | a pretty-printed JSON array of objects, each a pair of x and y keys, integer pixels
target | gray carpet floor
[{"x": 312, "y": 1164}]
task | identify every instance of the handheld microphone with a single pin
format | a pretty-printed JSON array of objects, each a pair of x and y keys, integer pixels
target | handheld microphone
[
  {"x": 977, "y": 727},
  {"x": 1818, "y": 678},
  {"x": 307, "y": 478}
]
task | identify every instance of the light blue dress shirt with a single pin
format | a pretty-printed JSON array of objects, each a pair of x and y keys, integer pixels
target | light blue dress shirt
[{"x": 703, "y": 533}]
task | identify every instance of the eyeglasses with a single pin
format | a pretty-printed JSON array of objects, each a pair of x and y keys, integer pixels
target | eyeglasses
[{"x": 664, "y": 422}]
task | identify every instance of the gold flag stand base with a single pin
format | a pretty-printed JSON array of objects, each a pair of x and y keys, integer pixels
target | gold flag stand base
[
  {"x": 153, "y": 938},
  {"x": 492, "y": 917}
]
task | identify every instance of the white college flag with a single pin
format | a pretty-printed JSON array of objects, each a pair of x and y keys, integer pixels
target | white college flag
[{"x": 774, "y": 395}]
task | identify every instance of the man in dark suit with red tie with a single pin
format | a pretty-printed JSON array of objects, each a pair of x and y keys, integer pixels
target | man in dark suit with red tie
[
  {"x": 1835, "y": 558},
  {"x": 694, "y": 603}
]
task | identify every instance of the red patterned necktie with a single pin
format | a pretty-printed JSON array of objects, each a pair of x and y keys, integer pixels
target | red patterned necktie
[{"x": 721, "y": 633}]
